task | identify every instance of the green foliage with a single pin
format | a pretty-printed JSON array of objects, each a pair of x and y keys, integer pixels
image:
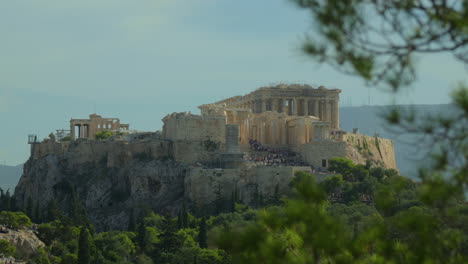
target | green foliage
[
  {"x": 103, "y": 135},
  {"x": 377, "y": 40},
  {"x": 14, "y": 220},
  {"x": 115, "y": 247},
  {"x": 202, "y": 236},
  {"x": 41, "y": 257},
  {"x": 67, "y": 138},
  {"x": 6, "y": 249},
  {"x": 308, "y": 228},
  {"x": 132, "y": 225},
  {"x": 84, "y": 247}
]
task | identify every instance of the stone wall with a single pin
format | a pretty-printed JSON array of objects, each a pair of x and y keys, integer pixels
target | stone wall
[
  {"x": 316, "y": 152},
  {"x": 356, "y": 147},
  {"x": 185, "y": 126},
  {"x": 203, "y": 186},
  {"x": 116, "y": 152}
]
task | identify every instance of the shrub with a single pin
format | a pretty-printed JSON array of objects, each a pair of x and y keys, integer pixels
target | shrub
[{"x": 103, "y": 135}]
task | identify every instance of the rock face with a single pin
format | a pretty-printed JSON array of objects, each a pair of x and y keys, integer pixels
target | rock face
[
  {"x": 108, "y": 193},
  {"x": 111, "y": 178},
  {"x": 25, "y": 241}
]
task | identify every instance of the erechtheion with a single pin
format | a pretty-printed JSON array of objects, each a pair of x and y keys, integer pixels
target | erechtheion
[{"x": 87, "y": 128}]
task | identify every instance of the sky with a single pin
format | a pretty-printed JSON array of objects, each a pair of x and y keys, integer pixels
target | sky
[{"x": 141, "y": 60}]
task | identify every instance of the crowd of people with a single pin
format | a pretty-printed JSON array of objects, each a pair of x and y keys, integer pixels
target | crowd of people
[
  {"x": 8, "y": 260},
  {"x": 272, "y": 156}
]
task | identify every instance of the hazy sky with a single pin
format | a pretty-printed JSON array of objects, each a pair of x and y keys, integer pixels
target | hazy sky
[{"x": 140, "y": 60}]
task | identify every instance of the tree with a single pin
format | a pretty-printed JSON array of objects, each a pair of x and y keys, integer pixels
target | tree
[
  {"x": 132, "y": 226},
  {"x": 41, "y": 257},
  {"x": 53, "y": 213},
  {"x": 29, "y": 207},
  {"x": 6, "y": 249},
  {"x": 202, "y": 236},
  {"x": 103, "y": 135},
  {"x": 115, "y": 247},
  {"x": 377, "y": 40},
  {"x": 14, "y": 219},
  {"x": 84, "y": 246}
]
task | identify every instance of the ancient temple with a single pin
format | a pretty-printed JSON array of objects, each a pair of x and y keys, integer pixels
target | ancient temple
[
  {"x": 87, "y": 128},
  {"x": 280, "y": 115},
  {"x": 293, "y": 100}
]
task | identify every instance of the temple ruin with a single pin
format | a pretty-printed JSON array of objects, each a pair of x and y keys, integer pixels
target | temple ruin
[
  {"x": 297, "y": 118},
  {"x": 87, "y": 128}
]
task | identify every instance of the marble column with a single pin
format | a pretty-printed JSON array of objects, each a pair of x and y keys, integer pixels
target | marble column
[
  {"x": 274, "y": 105},
  {"x": 295, "y": 106},
  {"x": 305, "y": 107},
  {"x": 316, "y": 108},
  {"x": 336, "y": 114},
  {"x": 263, "y": 102}
]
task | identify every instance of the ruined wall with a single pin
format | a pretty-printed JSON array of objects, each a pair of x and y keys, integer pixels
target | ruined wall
[
  {"x": 115, "y": 152},
  {"x": 204, "y": 185},
  {"x": 356, "y": 147},
  {"x": 317, "y": 151},
  {"x": 185, "y": 126}
]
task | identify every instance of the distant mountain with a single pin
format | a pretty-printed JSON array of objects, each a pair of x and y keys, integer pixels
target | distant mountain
[
  {"x": 410, "y": 153},
  {"x": 9, "y": 176}
]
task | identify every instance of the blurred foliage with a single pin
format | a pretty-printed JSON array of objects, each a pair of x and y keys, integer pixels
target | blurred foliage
[{"x": 378, "y": 40}]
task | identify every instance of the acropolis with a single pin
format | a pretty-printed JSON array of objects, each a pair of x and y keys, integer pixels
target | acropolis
[
  {"x": 298, "y": 119},
  {"x": 252, "y": 144}
]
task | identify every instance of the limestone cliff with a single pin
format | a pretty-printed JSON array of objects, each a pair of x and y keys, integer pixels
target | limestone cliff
[
  {"x": 112, "y": 177},
  {"x": 25, "y": 241}
]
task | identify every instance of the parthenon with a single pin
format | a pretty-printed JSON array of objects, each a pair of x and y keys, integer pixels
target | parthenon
[{"x": 293, "y": 100}]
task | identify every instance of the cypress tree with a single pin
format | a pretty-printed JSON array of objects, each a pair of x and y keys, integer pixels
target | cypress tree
[
  {"x": 132, "y": 226},
  {"x": 53, "y": 212},
  {"x": 29, "y": 207},
  {"x": 84, "y": 247},
  {"x": 2, "y": 200},
  {"x": 233, "y": 202},
  {"x": 37, "y": 213},
  {"x": 202, "y": 234},
  {"x": 141, "y": 233}
]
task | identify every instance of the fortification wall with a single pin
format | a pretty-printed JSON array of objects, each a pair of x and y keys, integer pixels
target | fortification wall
[
  {"x": 116, "y": 152},
  {"x": 184, "y": 126},
  {"x": 316, "y": 151},
  {"x": 204, "y": 186}
]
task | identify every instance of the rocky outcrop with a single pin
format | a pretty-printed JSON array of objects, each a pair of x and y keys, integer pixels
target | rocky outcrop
[
  {"x": 25, "y": 241},
  {"x": 107, "y": 192},
  {"x": 112, "y": 178}
]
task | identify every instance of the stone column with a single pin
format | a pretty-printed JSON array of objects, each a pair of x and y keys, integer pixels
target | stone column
[
  {"x": 72, "y": 130},
  {"x": 274, "y": 105},
  {"x": 295, "y": 106},
  {"x": 316, "y": 108},
  {"x": 263, "y": 102},
  {"x": 80, "y": 127},
  {"x": 305, "y": 107},
  {"x": 336, "y": 114},
  {"x": 323, "y": 113}
]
